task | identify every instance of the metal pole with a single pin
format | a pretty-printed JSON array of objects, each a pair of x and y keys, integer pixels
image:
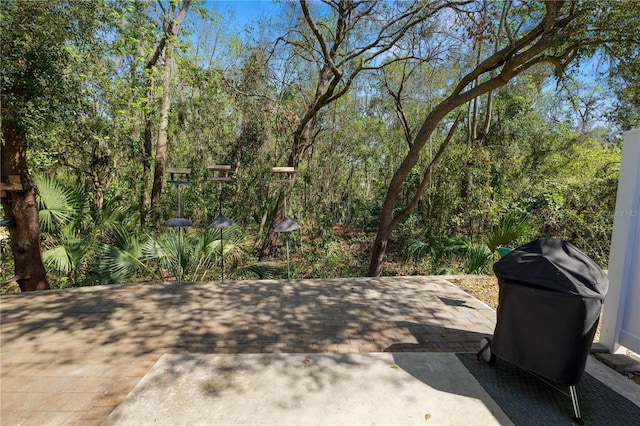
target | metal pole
[
  {"x": 219, "y": 197},
  {"x": 288, "y": 271},
  {"x": 179, "y": 239},
  {"x": 221, "y": 242},
  {"x": 576, "y": 407},
  {"x": 179, "y": 200},
  {"x": 221, "y": 257},
  {"x": 179, "y": 251},
  {"x": 284, "y": 192}
]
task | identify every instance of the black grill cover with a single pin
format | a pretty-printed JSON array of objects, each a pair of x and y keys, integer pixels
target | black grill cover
[{"x": 549, "y": 305}]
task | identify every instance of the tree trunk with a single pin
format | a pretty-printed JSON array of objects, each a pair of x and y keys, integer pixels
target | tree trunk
[
  {"x": 380, "y": 245},
  {"x": 301, "y": 142},
  {"x": 161, "y": 147},
  {"x": 21, "y": 208},
  {"x": 467, "y": 184},
  {"x": 146, "y": 155},
  {"x": 97, "y": 201},
  {"x": 170, "y": 29},
  {"x": 272, "y": 242}
]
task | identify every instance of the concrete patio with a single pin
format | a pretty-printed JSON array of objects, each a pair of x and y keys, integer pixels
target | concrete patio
[{"x": 72, "y": 356}]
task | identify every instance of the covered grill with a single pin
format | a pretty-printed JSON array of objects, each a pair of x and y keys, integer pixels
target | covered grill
[{"x": 550, "y": 297}]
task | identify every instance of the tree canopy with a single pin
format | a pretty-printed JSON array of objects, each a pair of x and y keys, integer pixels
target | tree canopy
[{"x": 426, "y": 131}]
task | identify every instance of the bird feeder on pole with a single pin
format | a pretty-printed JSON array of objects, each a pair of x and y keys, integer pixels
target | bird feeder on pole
[
  {"x": 285, "y": 175},
  {"x": 179, "y": 177},
  {"x": 220, "y": 174}
]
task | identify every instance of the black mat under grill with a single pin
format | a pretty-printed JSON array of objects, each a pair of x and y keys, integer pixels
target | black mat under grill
[{"x": 529, "y": 400}]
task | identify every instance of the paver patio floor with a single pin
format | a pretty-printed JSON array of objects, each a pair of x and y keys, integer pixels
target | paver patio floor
[{"x": 71, "y": 356}]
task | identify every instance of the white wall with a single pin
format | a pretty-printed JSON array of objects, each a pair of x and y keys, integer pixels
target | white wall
[{"x": 621, "y": 312}]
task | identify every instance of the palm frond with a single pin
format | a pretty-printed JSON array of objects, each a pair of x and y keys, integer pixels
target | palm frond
[
  {"x": 116, "y": 264},
  {"x": 68, "y": 253},
  {"x": 455, "y": 245},
  {"x": 479, "y": 258},
  {"x": 54, "y": 203},
  {"x": 263, "y": 270},
  {"x": 512, "y": 226},
  {"x": 235, "y": 244},
  {"x": 115, "y": 213},
  {"x": 58, "y": 259},
  {"x": 80, "y": 206},
  {"x": 416, "y": 250},
  {"x": 171, "y": 247},
  {"x": 152, "y": 250},
  {"x": 123, "y": 257}
]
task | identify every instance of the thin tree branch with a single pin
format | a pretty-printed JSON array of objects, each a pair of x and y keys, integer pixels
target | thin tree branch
[
  {"x": 426, "y": 177},
  {"x": 323, "y": 45}
]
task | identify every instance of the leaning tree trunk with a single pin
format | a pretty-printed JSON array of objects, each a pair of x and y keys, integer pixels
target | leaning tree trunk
[
  {"x": 389, "y": 221},
  {"x": 517, "y": 57},
  {"x": 21, "y": 209}
]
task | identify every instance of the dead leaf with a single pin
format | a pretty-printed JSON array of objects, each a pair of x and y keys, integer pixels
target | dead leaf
[
  {"x": 427, "y": 416},
  {"x": 394, "y": 366}
]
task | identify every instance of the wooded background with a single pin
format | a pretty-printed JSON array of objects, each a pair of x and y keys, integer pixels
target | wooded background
[{"x": 425, "y": 134}]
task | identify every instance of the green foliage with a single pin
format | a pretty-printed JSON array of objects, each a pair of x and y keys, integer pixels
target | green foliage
[
  {"x": 260, "y": 270},
  {"x": 38, "y": 40},
  {"x": 333, "y": 259},
  {"x": 121, "y": 260},
  {"x": 450, "y": 255},
  {"x": 68, "y": 254},
  {"x": 532, "y": 172},
  {"x": 512, "y": 227},
  {"x": 443, "y": 253},
  {"x": 417, "y": 250},
  {"x": 56, "y": 207},
  {"x": 479, "y": 258},
  {"x": 65, "y": 226}
]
